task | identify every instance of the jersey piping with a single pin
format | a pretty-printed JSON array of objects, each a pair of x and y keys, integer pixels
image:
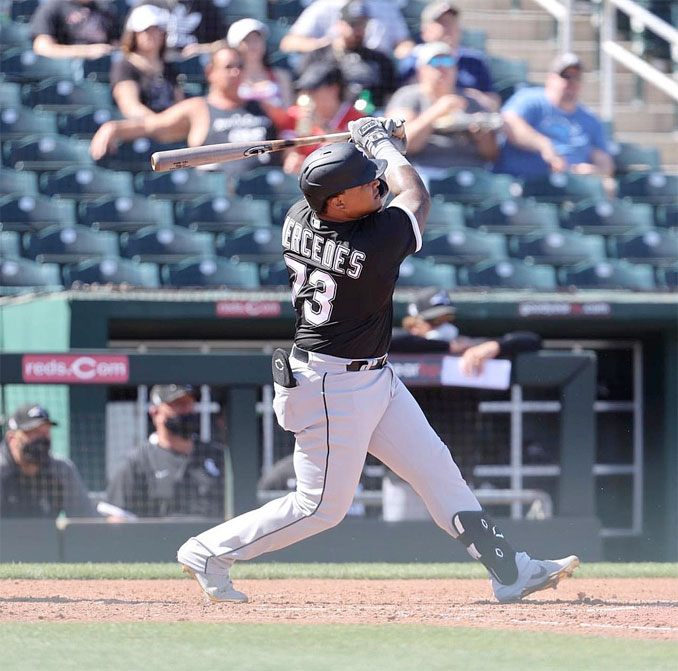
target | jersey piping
[{"x": 415, "y": 224}]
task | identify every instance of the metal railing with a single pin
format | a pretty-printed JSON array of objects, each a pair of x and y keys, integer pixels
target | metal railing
[{"x": 562, "y": 13}]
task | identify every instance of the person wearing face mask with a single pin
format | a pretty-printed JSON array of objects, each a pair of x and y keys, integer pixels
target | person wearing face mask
[
  {"x": 173, "y": 473},
  {"x": 34, "y": 482}
]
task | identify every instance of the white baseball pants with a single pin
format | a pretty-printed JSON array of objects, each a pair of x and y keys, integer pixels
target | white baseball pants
[{"x": 338, "y": 417}]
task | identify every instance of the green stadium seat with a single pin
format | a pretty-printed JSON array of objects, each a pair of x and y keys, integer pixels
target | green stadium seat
[
  {"x": 34, "y": 212},
  {"x": 280, "y": 207},
  {"x": 98, "y": 69},
  {"x": 134, "y": 156},
  {"x": 66, "y": 96},
  {"x": 16, "y": 122},
  {"x": 558, "y": 248},
  {"x": 274, "y": 274},
  {"x": 559, "y": 187},
  {"x": 515, "y": 216},
  {"x": 629, "y": 157},
  {"x": 86, "y": 183},
  {"x": 125, "y": 213},
  {"x": 212, "y": 273},
  {"x": 416, "y": 272},
  {"x": 192, "y": 69},
  {"x": 667, "y": 278},
  {"x": 658, "y": 247},
  {"x": 285, "y": 9},
  {"x": 10, "y": 245},
  {"x": 509, "y": 274},
  {"x": 444, "y": 216},
  {"x": 84, "y": 122},
  {"x": 23, "y": 10},
  {"x": 242, "y": 9},
  {"x": 166, "y": 244},
  {"x": 112, "y": 271},
  {"x": 507, "y": 75},
  {"x": 611, "y": 274},
  {"x": 10, "y": 94},
  {"x": 276, "y": 31},
  {"x": 70, "y": 244},
  {"x": 473, "y": 38},
  {"x": 181, "y": 184},
  {"x": 268, "y": 184},
  {"x": 463, "y": 246},
  {"x": 261, "y": 245},
  {"x": 666, "y": 216},
  {"x": 608, "y": 217},
  {"x": 14, "y": 34},
  {"x": 17, "y": 182},
  {"x": 46, "y": 152},
  {"x": 17, "y": 275},
  {"x": 651, "y": 187},
  {"x": 24, "y": 65},
  {"x": 223, "y": 213},
  {"x": 472, "y": 185}
]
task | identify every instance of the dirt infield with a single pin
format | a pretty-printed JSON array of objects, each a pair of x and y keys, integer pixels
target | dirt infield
[{"x": 637, "y": 608}]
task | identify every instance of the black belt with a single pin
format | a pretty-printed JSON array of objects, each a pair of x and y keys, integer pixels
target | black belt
[{"x": 352, "y": 367}]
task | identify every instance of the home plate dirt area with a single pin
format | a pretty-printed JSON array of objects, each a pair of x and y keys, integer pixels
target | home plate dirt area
[{"x": 629, "y": 608}]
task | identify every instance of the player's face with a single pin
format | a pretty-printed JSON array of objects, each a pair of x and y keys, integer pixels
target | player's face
[{"x": 361, "y": 200}]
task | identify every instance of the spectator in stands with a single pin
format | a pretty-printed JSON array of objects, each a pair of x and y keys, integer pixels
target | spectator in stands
[
  {"x": 260, "y": 81},
  {"x": 34, "y": 482},
  {"x": 74, "y": 29},
  {"x": 220, "y": 116},
  {"x": 143, "y": 82},
  {"x": 173, "y": 473},
  {"x": 547, "y": 129},
  {"x": 320, "y": 109},
  {"x": 386, "y": 30},
  {"x": 429, "y": 108},
  {"x": 364, "y": 69}
]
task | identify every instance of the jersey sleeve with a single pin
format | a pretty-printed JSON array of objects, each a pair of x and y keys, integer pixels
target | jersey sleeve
[{"x": 397, "y": 233}]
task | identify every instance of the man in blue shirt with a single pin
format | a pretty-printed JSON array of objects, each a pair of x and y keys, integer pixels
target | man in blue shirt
[{"x": 548, "y": 130}]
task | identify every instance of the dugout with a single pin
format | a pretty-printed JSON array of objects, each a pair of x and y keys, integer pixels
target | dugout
[{"x": 623, "y": 509}]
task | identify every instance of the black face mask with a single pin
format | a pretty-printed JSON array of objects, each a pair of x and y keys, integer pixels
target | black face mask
[
  {"x": 37, "y": 451},
  {"x": 184, "y": 426}
]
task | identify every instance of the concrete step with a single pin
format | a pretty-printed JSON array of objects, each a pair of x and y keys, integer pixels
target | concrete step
[
  {"x": 539, "y": 53},
  {"x": 482, "y": 5},
  {"x": 667, "y": 143},
  {"x": 524, "y": 25},
  {"x": 633, "y": 117}
]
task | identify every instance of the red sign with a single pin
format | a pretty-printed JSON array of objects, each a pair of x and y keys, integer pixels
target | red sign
[
  {"x": 74, "y": 369},
  {"x": 252, "y": 309}
]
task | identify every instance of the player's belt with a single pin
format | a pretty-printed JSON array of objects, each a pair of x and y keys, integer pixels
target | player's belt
[{"x": 351, "y": 366}]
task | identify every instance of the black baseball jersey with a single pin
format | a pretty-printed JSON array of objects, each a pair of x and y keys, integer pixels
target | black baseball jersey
[{"x": 343, "y": 275}]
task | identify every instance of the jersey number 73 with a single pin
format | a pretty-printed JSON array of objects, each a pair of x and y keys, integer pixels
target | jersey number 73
[{"x": 318, "y": 308}]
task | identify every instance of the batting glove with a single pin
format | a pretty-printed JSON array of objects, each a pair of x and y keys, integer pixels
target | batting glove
[
  {"x": 396, "y": 129},
  {"x": 367, "y": 134}
]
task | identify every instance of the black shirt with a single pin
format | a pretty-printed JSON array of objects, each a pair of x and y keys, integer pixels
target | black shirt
[
  {"x": 156, "y": 91},
  {"x": 194, "y": 21},
  {"x": 343, "y": 276},
  {"x": 70, "y": 22}
]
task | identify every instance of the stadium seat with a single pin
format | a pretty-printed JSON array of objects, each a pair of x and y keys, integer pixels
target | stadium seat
[
  {"x": 24, "y": 274},
  {"x": 212, "y": 272},
  {"x": 66, "y": 96},
  {"x": 611, "y": 274},
  {"x": 23, "y": 10},
  {"x": 223, "y": 214},
  {"x": 99, "y": 69},
  {"x": 276, "y": 31},
  {"x": 192, "y": 69},
  {"x": 181, "y": 184},
  {"x": 268, "y": 184},
  {"x": 629, "y": 157},
  {"x": 274, "y": 274},
  {"x": 125, "y": 213},
  {"x": 509, "y": 274},
  {"x": 416, "y": 272},
  {"x": 444, "y": 216},
  {"x": 667, "y": 278},
  {"x": 280, "y": 207},
  {"x": 515, "y": 216},
  {"x": 70, "y": 244},
  {"x": 559, "y": 187},
  {"x": 463, "y": 246},
  {"x": 22, "y": 65},
  {"x": 242, "y": 9},
  {"x": 134, "y": 156},
  {"x": 112, "y": 271},
  {"x": 472, "y": 185},
  {"x": 17, "y": 121},
  {"x": 507, "y": 75},
  {"x": 83, "y": 123},
  {"x": 10, "y": 94},
  {"x": 17, "y": 182},
  {"x": 166, "y": 244},
  {"x": 666, "y": 216},
  {"x": 651, "y": 187},
  {"x": 608, "y": 217},
  {"x": 261, "y": 245},
  {"x": 86, "y": 183},
  {"x": 35, "y": 212},
  {"x": 15, "y": 34},
  {"x": 473, "y": 38},
  {"x": 10, "y": 245},
  {"x": 558, "y": 248},
  {"x": 46, "y": 152},
  {"x": 658, "y": 247},
  {"x": 285, "y": 9}
]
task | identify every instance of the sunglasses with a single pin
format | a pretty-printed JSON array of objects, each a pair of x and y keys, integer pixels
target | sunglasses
[
  {"x": 572, "y": 77},
  {"x": 233, "y": 66},
  {"x": 442, "y": 62}
]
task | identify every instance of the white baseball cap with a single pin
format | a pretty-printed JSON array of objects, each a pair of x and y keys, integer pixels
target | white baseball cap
[
  {"x": 241, "y": 29},
  {"x": 144, "y": 17},
  {"x": 428, "y": 51}
]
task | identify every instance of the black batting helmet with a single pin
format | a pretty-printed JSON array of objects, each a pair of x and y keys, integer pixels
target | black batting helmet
[{"x": 331, "y": 169}]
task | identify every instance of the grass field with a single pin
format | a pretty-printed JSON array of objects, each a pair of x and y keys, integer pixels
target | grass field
[{"x": 193, "y": 646}]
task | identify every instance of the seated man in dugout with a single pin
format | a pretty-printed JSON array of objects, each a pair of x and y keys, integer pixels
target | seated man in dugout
[{"x": 173, "y": 472}]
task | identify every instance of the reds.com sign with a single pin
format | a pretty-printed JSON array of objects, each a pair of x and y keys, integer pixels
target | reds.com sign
[
  {"x": 252, "y": 309},
  {"x": 74, "y": 369}
]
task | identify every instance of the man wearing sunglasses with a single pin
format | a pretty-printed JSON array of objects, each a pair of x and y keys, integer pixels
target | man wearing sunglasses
[{"x": 548, "y": 130}]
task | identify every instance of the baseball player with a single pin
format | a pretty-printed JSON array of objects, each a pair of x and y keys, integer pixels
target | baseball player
[{"x": 337, "y": 392}]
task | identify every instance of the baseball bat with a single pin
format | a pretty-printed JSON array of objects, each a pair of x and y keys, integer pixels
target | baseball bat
[{"x": 190, "y": 157}]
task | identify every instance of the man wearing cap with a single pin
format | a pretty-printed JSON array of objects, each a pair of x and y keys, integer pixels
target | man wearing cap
[
  {"x": 74, "y": 29},
  {"x": 428, "y": 106},
  {"x": 33, "y": 482},
  {"x": 173, "y": 473},
  {"x": 548, "y": 130}
]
